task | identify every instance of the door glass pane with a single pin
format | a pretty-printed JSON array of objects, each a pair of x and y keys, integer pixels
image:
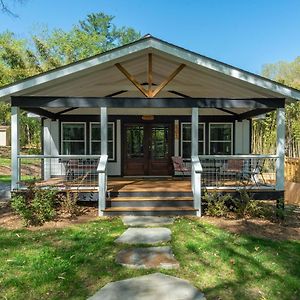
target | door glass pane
[
  {"x": 159, "y": 142},
  {"x": 135, "y": 141}
]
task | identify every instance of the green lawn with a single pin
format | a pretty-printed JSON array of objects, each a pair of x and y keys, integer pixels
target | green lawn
[{"x": 73, "y": 263}]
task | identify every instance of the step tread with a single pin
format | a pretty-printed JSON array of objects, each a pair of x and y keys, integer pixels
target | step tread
[
  {"x": 165, "y": 198},
  {"x": 181, "y": 208}
]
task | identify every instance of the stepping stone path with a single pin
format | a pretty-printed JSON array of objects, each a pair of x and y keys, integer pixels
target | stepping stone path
[
  {"x": 152, "y": 257},
  {"x": 146, "y": 221},
  {"x": 149, "y": 287},
  {"x": 145, "y": 236}
]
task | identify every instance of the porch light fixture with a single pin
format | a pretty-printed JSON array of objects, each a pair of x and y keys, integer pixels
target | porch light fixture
[{"x": 148, "y": 117}]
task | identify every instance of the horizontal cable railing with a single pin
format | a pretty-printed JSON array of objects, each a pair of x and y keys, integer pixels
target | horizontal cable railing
[
  {"x": 236, "y": 171},
  {"x": 59, "y": 170}
]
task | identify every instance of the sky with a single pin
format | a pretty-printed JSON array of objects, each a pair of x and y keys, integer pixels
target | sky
[{"x": 243, "y": 33}]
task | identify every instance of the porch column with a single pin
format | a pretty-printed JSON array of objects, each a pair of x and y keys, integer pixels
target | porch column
[
  {"x": 103, "y": 122},
  {"x": 102, "y": 177},
  {"x": 15, "y": 147},
  {"x": 195, "y": 125},
  {"x": 280, "y": 127}
]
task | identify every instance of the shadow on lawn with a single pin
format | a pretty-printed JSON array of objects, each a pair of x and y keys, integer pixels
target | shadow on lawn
[
  {"x": 64, "y": 263},
  {"x": 241, "y": 267}
]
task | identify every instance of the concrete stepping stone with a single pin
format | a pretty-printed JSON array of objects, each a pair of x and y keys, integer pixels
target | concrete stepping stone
[
  {"x": 145, "y": 236},
  {"x": 152, "y": 257},
  {"x": 146, "y": 221},
  {"x": 149, "y": 287}
]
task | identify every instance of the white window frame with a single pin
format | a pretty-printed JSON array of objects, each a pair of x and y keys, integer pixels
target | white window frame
[
  {"x": 99, "y": 141},
  {"x": 221, "y": 141},
  {"x": 182, "y": 140},
  {"x": 62, "y": 136}
]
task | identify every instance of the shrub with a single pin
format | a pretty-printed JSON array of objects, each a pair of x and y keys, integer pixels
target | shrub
[
  {"x": 217, "y": 204},
  {"x": 35, "y": 206},
  {"x": 245, "y": 206},
  {"x": 68, "y": 203}
]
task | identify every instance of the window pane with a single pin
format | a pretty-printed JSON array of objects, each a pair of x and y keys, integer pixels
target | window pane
[
  {"x": 96, "y": 134},
  {"x": 220, "y": 132},
  {"x": 73, "y": 148},
  {"x": 201, "y": 132},
  {"x": 186, "y": 149},
  {"x": 73, "y": 132},
  {"x": 110, "y": 151},
  {"x": 200, "y": 148},
  {"x": 110, "y": 130},
  {"x": 96, "y": 131},
  {"x": 96, "y": 148},
  {"x": 186, "y": 132},
  {"x": 220, "y": 148}
]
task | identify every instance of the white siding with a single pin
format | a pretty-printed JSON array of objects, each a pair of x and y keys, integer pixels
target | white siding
[{"x": 242, "y": 137}]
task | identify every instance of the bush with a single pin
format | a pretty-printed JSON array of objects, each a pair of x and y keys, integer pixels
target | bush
[
  {"x": 217, "y": 204},
  {"x": 68, "y": 203},
  {"x": 245, "y": 206},
  {"x": 36, "y": 206}
]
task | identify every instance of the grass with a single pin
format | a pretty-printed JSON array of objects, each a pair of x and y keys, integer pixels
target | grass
[{"x": 74, "y": 262}]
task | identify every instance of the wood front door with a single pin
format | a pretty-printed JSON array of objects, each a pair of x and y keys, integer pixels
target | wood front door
[{"x": 147, "y": 149}]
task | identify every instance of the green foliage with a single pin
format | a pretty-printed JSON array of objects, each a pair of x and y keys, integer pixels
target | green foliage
[
  {"x": 245, "y": 206},
  {"x": 35, "y": 206},
  {"x": 264, "y": 131},
  {"x": 20, "y": 58},
  {"x": 217, "y": 204}
]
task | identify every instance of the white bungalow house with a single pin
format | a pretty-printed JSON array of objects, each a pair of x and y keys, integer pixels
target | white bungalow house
[{"x": 126, "y": 112}]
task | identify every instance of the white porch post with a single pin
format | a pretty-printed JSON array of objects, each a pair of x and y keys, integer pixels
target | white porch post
[
  {"x": 103, "y": 122},
  {"x": 102, "y": 177},
  {"x": 195, "y": 125},
  {"x": 15, "y": 147},
  {"x": 280, "y": 126}
]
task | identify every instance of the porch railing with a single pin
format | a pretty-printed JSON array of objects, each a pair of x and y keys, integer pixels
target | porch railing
[
  {"x": 237, "y": 171},
  {"x": 58, "y": 170},
  {"x": 196, "y": 170},
  {"x": 102, "y": 183}
]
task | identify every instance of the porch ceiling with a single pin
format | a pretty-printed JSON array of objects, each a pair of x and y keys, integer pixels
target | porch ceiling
[
  {"x": 192, "y": 81},
  {"x": 98, "y": 76}
]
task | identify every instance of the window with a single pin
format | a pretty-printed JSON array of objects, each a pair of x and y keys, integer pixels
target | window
[
  {"x": 220, "y": 138},
  {"x": 95, "y": 139},
  {"x": 73, "y": 138},
  {"x": 186, "y": 138}
]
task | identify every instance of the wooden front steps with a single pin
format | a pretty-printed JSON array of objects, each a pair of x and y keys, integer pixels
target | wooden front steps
[{"x": 150, "y": 204}]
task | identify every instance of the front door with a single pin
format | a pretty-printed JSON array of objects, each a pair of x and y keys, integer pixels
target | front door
[{"x": 147, "y": 149}]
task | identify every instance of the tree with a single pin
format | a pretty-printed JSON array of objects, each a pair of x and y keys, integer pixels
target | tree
[
  {"x": 5, "y": 8},
  {"x": 21, "y": 58},
  {"x": 264, "y": 131}
]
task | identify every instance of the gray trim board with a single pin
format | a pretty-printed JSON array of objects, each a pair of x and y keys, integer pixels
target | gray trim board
[{"x": 65, "y": 102}]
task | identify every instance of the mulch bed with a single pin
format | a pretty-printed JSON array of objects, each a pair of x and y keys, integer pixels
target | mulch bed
[{"x": 289, "y": 229}]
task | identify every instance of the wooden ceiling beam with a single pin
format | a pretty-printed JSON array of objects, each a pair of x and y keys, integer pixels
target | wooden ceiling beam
[
  {"x": 167, "y": 80},
  {"x": 132, "y": 79},
  {"x": 150, "y": 74}
]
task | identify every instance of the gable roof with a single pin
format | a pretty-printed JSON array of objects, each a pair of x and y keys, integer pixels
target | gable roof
[{"x": 216, "y": 69}]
